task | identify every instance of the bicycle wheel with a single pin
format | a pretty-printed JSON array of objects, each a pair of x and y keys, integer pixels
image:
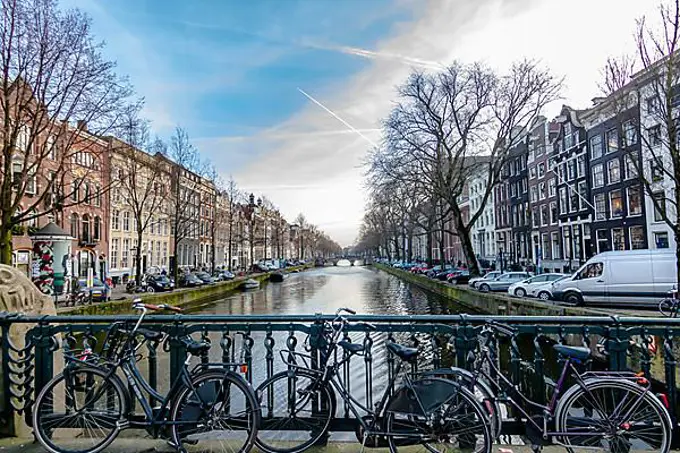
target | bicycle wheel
[
  {"x": 217, "y": 413},
  {"x": 78, "y": 411},
  {"x": 453, "y": 419},
  {"x": 296, "y": 411},
  {"x": 668, "y": 308},
  {"x": 613, "y": 415}
]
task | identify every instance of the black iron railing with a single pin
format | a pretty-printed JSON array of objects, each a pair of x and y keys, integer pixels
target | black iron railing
[{"x": 619, "y": 343}]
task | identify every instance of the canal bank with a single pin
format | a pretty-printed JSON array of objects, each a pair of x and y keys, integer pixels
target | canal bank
[
  {"x": 186, "y": 298},
  {"x": 500, "y": 303}
]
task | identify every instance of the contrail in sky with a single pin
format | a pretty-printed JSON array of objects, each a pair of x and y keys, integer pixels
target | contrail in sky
[
  {"x": 352, "y": 128},
  {"x": 386, "y": 55}
]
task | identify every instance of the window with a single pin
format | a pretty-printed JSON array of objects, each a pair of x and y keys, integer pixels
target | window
[
  {"x": 97, "y": 195},
  {"x": 656, "y": 168},
  {"x": 87, "y": 229},
  {"x": 562, "y": 170},
  {"x": 661, "y": 240},
  {"x": 613, "y": 171},
  {"x": 525, "y": 185},
  {"x": 541, "y": 169},
  {"x": 544, "y": 215},
  {"x": 545, "y": 241},
  {"x": 631, "y": 169},
  {"x": 165, "y": 254},
  {"x": 598, "y": 175},
  {"x": 553, "y": 212},
  {"x": 86, "y": 193},
  {"x": 654, "y": 135},
  {"x": 566, "y": 234},
  {"x": 30, "y": 184},
  {"x": 74, "y": 225},
  {"x": 571, "y": 167},
  {"x": 96, "y": 229},
  {"x": 596, "y": 147},
  {"x": 115, "y": 219},
  {"x": 23, "y": 137},
  {"x": 602, "y": 237},
  {"x": 653, "y": 105},
  {"x": 532, "y": 173},
  {"x": 556, "y": 248},
  {"x": 533, "y": 194},
  {"x": 630, "y": 132},
  {"x": 581, "y": 165},
  {"x": 51, "y": 147},
  {"x": 536, "y": 219},
  {"x": 615, "y": 203},
  {"x": 583, "y": 194},
  {"x": 573, "y": 200},
  {"x": 115, "y": 244},
  {"x": 593, "y": 270},
  {"x": 612, "y": 140},
  {"x": 75, "y": 187},
  {"x": 158, "y": 253},
  {"x": 634, "y": 201},
  {"x": 126, "y": 221},
  {"x": 564, "y": 200},
  {"x": 552, "y": 187},
  {"x": 541, "y": 191},
  {"x": 124, "y": 261},
  {"x": 618, "y": 239},
  {"x": 600, "y": 207},
  {"x": 659, "y": 211},
  {"x": 637, "y": 237}
]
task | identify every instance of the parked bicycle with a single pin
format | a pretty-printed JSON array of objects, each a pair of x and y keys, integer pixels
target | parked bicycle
[
  {"x": 670, "y": 306},
  {"x": 426, "y": 413},
  {"x": 614, "y": 411},
  {"x": 84, "y": 408}
]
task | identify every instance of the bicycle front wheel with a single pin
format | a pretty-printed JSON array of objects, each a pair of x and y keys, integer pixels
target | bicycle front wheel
[
  {"x": 453, "y": 420},
  {"x": 668, "y": 308},
  {"x": 218, "y": 413},
  {"x": 78, "y": 411},
  {"x": 613, "y": 415},
  {"x": 296, "y": 411}
]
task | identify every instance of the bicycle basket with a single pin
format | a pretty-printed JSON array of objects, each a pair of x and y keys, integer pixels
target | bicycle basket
[{"x": 115, "y": 341}]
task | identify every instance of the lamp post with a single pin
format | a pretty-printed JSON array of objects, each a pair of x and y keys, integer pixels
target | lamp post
[{"x": 251, "y": 207}]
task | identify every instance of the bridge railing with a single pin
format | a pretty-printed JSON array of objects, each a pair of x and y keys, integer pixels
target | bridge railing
[{"x": 619, "y": 343}]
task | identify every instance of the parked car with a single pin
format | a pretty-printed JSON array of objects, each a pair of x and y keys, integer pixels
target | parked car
[
  {"x": 442, "y": 274},
  {"x": 206, "y": 277},
  {"x": 488, "y": 276},
  {"x": 502, "y": 282},
  {"x": 526, "y": 287},
  {"x": 629, "y": 277},
  {"x": 158, "y": 283},
  {"x": 224, "y": 276},
  {"x": 189, "y": 280},
  {"x": 544, "y": 291},
  {"x": 458, "y": 277},
  {"x": 98, "y": 292}
]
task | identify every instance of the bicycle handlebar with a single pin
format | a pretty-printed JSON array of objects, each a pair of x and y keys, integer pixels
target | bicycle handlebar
[{"x": 137, "y": 303}]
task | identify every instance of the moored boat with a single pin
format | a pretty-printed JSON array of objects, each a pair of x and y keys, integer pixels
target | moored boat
[{"x": 251, "y": 284}]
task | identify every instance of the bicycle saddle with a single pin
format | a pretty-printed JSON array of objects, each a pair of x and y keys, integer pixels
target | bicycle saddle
[
  {"x": 575, "y": 352},
  {"x": 351, "y": 347},
  {"x": 196, "y": 347},
  {"x": 403, "y": 352},
  {"x": 150, "y": 335}
]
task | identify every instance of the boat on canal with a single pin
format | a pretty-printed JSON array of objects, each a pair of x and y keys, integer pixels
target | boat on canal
[{"x": 251, "y": 284}]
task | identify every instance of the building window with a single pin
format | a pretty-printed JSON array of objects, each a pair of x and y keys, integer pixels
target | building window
[
  {"x": 74, "y": 225},
  {"x": 114, "y": 252},
  {"x": 533, "y": 194},
  {"x": 552, "y": 187},
  {"x": 126, "y": 221},
  {"x": 602, "y": 238},
  {"x": 556, "y": 249},
  {"x": 612, "y": 140},
  {"x": 545, "y": 244},
  {"x": 544, "y": 215},
  {"x": 598, "y": 175},
  {"x": 87, "y": 229},
  {"x": 661, "y": 240},
  {"x": 564, "y": 200},
  {"x": 613, "y": 171},
  {"x": 600, "y": 207},
  {"x": 165, "y": 254},
  {"x": 653, "y": 104},
  {"x": 571, "y": 169},
  {"x": 637, "y": 237},
  {"x": 631, "y": 169},
  {"x": 596, "y": 147},
  {"x": 583, "y": 192},
  {"x": 573, "y": 200},
  {"x": 553, "y": 212},
  {"x": 562, "y": 171},
  {"x": 532, "y": 173},
  {"x": 615, "y": 203},
  {"x": 115, "y": 219},
  {"x": 566, "y": 234},
  {"x": 660, "y": 211},
  {"x": 634, "y": 201},
  {"x": 656, "y": 168},
  {"x": 541, "y": 169},
  {"x": 97, "y": 195},
  {"x": 536, "y": 219},
  {"x": 618, "y": 239},
  {"x": 581, "y": 165},
  {"x": 75, "y": 185},
  {"x": 630, "y": 132},
  {"x": 541, "y": 191},
  {"x": 654, "y": 135},
  {"x": 97, "y": 228},
  {"x": 124, "y": 261}
]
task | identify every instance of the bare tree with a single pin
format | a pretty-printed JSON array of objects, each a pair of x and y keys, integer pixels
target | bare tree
[
  {"x": 233, "y": 197},
  {"x": 450, "y": 125},
  {"x": 140, "y": 180},
  {"x": 649, "y": 81},
  {"x": 53, "y": 75}
]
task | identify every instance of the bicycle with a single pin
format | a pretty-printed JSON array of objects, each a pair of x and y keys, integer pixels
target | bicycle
[
  {"x": 615, "y": 411},
  {"x": 84, "y": 408},
  {"x": 297, "y": 405},
  {"x": 670, "y": 306}
]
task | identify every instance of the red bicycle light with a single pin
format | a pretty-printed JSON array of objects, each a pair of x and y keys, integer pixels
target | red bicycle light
[
  {"x": 664, "y": 399},
  {"x": 244, "y": 369}
]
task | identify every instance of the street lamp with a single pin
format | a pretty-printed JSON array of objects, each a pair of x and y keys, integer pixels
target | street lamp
[{"x": 250, "y": 211}]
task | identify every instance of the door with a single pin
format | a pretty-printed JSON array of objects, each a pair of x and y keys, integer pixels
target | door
[
  {"x": 591, "y": 281},
  {"x": 534, "y": 282}
]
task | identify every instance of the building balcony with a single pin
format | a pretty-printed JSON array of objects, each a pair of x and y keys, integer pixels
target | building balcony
[{"x": 88, "y": 241}]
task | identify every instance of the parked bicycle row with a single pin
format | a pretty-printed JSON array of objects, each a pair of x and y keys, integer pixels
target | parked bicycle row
[{"x": 212, "y": 405}]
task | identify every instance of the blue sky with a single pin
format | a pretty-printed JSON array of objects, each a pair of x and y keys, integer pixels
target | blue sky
[{"x": 228, "y": 71}]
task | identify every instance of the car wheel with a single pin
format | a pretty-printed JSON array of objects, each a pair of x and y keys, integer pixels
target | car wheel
[
  {"x": 484, "y": 288},
  {"x": 573, "y": 298},
  {"x": 544, "y": 295},
  {"x": 150, "y": 289},
  {"x": 520, "y": 292}
]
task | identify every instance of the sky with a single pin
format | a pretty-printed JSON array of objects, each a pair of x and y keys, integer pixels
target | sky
[{"x": 233, "y": 73}]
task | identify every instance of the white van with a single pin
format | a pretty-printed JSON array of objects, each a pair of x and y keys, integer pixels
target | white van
[{"x": 630, "y": 277}]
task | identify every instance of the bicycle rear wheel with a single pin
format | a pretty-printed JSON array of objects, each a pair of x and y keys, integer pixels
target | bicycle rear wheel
[
  {"x": 218, "y": 413},
  {"x": 296, "y": 411},
  {"x": 668, "y": 308},
  {"x": 457, "y": 422},
  {"x": 613, "y": 415},
  {"x": 78, "y": 411}
]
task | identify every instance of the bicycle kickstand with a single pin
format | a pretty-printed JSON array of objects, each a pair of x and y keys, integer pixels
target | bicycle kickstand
[
  {"x": 363, "y": 443},
  {"x": 536, "y": 448}
]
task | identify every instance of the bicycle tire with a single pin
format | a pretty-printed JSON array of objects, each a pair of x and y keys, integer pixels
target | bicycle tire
[
  {"x": 616, "y": 392},
  {"x": 43, "y": 410},
  {"x": 279, "y": 423},
  {"x": 191, "y": 423},
  {"x": 460, "y": 404},
  {"x": 668, "y": 308}
]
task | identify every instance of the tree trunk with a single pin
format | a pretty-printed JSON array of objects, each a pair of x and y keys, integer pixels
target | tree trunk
[
  {"x": 6, "y": 242},
  {"x": 468, "y": 251},
  {"x": 229, "y": 243},
  {"x": 138, "y": 258},
  {"x": 429, "y": 246},
  {"x": 410, "y": 246},
  {"x": 677, "y": 253},
  {"x": 175, "y": 271}
]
